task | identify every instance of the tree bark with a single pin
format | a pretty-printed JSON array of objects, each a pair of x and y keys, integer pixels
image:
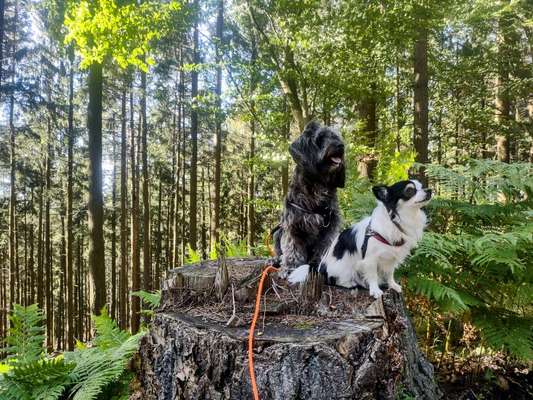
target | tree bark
[
  {"x": 364, "y": 348},
  {"x": 96, "y": 200},
  {"x": 193, "y": 206},
  {"x": 40, "y": 249},
  {"x": 250, "y": 215},
  {"x": 421, "y": 99},
  {"x": 135, "y": 250},
  {"x": 47, "y": 254},
  {"x": 218, "y": 128},
  {"x": 502, "y": 99},
  {"x": 158, "y": 236},
  {"x": 12, "y": 201},
  {"x": 31, "y": 261},
  {"x": 147, "y": 256},
  {"x": 180, "y": 149},
  {"x": 70, "y": 233},
  {"x": 113, "y": 310},
  {"x": 369, "y": 131},
  {"x": 2, "y": 30},
  {"x": 123, "y": 283}
]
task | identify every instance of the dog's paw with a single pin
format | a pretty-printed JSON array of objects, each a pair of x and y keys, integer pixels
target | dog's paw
[
  {"x": 396, "y": 287},
  {"x": 376, "y": 292}
]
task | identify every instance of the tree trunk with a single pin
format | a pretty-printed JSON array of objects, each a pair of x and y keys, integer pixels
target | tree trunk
[
  {"x": 70, "y": 233},
  {"x": 123, "y": 282},
  {"x": 250, "y": 215},
  {"x": 180, "y": 149},
  {"x": 60, "y": 316},
  {"x": 147, "y": 257},
  {"x": 40, "y": 249},
  {"x": 47, "y": 254},
  {"x": 421, "y": 98},
  {"x": 193, "y": 236},
  {"x": 31, "y": 261},
  {"x": 113, "y": 311},
  {"x": 2, "y": 30},
  {"x": 218, "y": 129},
  {"x": 135, "y": 250},
  {"x": 96, "y": 200},
  {"x": 158, "y": 237},
  {"x": 12, "y": 202},
  {"x": 503, "y": 100},
  {"x": 364, "y": 348},
  {"x": 203, "y": 229},
  {"x": 369, "y": 131},
  {"x": 286, "y": 134}
]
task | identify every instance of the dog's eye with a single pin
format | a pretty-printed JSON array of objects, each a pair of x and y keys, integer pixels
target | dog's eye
[{"x": 409, "y": 191}]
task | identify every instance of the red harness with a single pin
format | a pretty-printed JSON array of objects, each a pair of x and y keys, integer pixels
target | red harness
[{"x": 369, "y": 232}]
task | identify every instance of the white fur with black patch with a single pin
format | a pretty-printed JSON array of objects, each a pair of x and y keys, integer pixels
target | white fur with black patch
[{"x": 343, "y": 263}]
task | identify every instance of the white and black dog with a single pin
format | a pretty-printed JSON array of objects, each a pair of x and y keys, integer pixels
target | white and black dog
[{"x": 367, "y": 253}]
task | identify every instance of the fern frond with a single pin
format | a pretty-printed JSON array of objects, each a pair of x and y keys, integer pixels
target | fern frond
[
  {"x": 108, "y": 334},
  {"x": 44, "y": 379},
  {"x": 442, "y": 294},
  {"x": 96, "y": 368},
  {"x": 503, "y": 329},
  {"x": 26, "y": 334},
  {"x": 152, "y": 300}
]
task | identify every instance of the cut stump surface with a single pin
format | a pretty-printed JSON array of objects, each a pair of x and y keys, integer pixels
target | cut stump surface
[{"x": 348, "y": 347}]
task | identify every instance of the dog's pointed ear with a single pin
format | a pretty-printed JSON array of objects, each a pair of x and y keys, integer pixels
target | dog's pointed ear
[
  {"x": 381, "y": 192},
  {"x": 311, "y": 128}
]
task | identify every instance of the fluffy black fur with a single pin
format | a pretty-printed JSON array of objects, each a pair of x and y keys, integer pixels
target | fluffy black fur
[{"x": 311, "y": 218}]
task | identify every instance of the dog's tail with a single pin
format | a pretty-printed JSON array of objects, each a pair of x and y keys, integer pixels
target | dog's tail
[{"x": 299, "y": 275}]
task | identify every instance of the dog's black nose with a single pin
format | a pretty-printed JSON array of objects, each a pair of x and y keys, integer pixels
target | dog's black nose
[{"x": 428, "y": 193}]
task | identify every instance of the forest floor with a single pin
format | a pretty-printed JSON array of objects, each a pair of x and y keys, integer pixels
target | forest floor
[{"x": 488, "y": 379}]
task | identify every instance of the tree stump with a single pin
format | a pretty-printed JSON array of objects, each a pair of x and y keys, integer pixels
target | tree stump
[{"x": 349, "y": 346}]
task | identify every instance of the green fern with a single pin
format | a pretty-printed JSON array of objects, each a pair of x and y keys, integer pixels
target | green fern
[
  {"x": 96, "y": 367},
  {"x": 108, "y": 334},
  {"x": 474, "y": 261},
  {"x": 193, "y": 256},
  {"x": 502, "y": 329},
  {"x": 83, "y": 374},
  {"x": 152, "y": 300},
  {"x": 99, "y": 366},
  {"x": 32, "y": 375},
  {"x": 26, "y": 334}
]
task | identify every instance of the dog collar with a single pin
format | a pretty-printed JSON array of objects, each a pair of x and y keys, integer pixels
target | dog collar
[
  {"x": 326, "y": 215},
  {"x": 369, "y": 232}
]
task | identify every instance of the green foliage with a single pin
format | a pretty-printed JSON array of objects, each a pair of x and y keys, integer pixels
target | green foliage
[
  {"x": 193, "y": 256},
  {"x": 475, "y": 261},
  {"x": 236, "y": 249},
  {"x": 120, "y": 30},
  {"x": 43, "y": 379},
  {"x": 98, "y": 367},
  {"x": 26, "y": 334},
  {"x": 83, "y": 374},
  {"x": 152, "y": 300}
]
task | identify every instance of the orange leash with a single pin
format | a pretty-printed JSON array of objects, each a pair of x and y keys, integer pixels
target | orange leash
[{"x": 268, "y": 269}]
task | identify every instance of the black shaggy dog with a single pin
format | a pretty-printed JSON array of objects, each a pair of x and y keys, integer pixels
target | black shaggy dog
[{"x": 311, "y": 219}]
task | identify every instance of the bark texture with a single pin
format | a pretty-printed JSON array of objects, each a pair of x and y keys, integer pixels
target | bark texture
[{"x": 348, "y": 347}]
